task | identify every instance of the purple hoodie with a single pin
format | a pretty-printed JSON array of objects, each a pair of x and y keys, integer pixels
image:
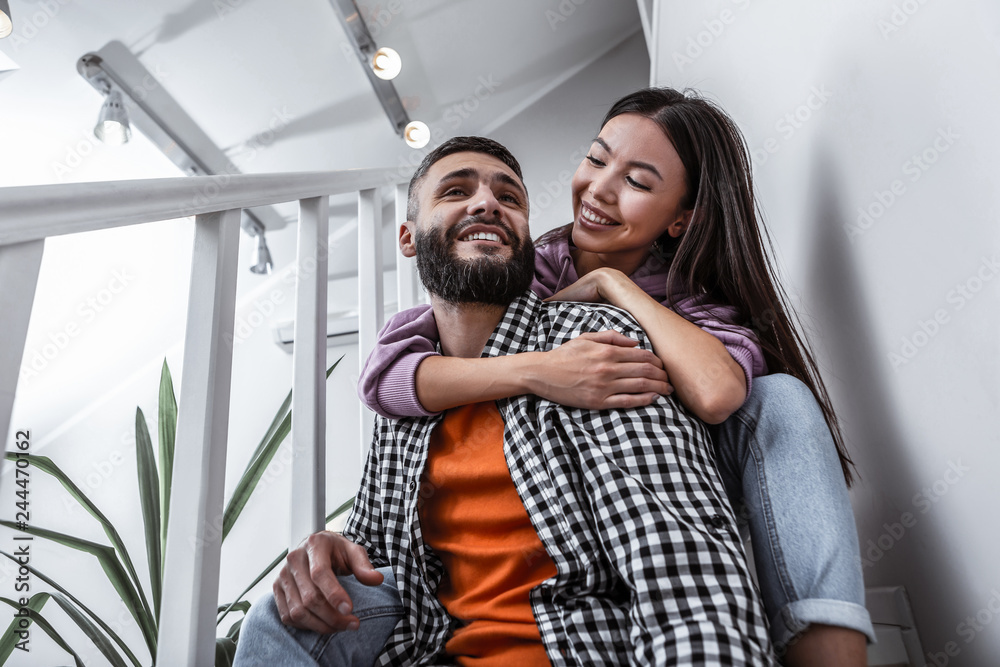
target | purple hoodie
[{"x": 388, "y": 384}]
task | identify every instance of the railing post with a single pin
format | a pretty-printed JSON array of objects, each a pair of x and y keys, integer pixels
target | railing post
[
  {"x": 19, "y": 265},
  {"x": 406, "y": 267},
  {"x": 371, "y": 300},
  {"x": 194, "y": 536},
  {"x": 309, "y": 372}
]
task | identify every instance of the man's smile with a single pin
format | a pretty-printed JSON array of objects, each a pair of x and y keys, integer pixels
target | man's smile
[{"x": 484, "y": 232}]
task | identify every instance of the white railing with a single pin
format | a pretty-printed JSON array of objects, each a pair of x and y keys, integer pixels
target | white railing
[{"x": 28, "y": 215}]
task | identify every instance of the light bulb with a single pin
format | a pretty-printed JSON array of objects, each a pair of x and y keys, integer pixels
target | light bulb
[
  {"x": 416, "y": 134},
  {"x": 386, "y": 63}
]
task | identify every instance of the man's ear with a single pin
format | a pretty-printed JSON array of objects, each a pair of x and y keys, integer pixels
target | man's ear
[
  {"x": 407, "y": 242},
  {"x": 680, "y": 225}
]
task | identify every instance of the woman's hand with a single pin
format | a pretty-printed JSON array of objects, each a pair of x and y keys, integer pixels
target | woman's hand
[
  {"x": 602, "y": 285},
  {"x": 709, "y": 382},
  {"x": 598, "y": 371}
]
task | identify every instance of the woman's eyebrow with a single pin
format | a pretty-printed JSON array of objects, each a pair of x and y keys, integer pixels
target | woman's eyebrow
[{"x": 633, "y": 163}]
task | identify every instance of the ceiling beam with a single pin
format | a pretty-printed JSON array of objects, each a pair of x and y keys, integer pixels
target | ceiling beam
[{"x": 364, "y": 46}]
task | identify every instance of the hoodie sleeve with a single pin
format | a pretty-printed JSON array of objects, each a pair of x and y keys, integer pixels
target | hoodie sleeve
[
  {"x": 388, "y": 380},
  {"x": 717, "y": 320}
]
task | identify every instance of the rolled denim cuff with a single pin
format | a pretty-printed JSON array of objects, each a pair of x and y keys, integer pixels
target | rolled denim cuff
[{"x": 797, "y": 616}]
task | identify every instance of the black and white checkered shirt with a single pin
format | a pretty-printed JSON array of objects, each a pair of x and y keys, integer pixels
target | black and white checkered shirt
[{"x": 627, "y": 503}]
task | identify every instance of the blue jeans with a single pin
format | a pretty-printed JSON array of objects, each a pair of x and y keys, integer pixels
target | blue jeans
[
  {"x": 266, "y": 642},
  {"x": 783, "y": 477}
]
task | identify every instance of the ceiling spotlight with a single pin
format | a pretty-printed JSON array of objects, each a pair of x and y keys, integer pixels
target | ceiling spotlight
[
  {"x": 6, "y": 22},
  {"x": 416, "y": 134},
  {"x": 386, "y": 63},
  {"x": 262, "y": 263},
  {"x": 112, "y": 124}
]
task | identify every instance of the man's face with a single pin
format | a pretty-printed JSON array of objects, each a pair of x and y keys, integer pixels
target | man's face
[{"x": 471, "y": 238}]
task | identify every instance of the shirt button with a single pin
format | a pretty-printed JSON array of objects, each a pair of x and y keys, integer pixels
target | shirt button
[
  {"x": 412, "y": 485},
  {"x": 717, "y": 522}
]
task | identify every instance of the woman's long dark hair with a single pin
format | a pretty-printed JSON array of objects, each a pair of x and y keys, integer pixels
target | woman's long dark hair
[{"x": 722, "y": 253}]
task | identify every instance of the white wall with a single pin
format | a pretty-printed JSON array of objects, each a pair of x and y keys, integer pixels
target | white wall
[
  {"x": 839, "y": 101},
  {"x": 551, "y": 137}
]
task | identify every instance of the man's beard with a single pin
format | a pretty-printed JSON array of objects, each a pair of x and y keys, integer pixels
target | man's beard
[{"x": 489, "y": 280}]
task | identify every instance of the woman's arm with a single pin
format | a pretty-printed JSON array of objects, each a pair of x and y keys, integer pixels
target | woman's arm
[
  {"x": 707, "y": 379},
  {"x": 600, "y": 370},
  {"x": 405, "y": 377}
]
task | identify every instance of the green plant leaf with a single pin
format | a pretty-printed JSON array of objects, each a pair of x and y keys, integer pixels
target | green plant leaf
[
  {"x": 346, "y": 505},
  {"x": 225, "y": 652},
  {"x": 276, "y": 434},
  {"x": 167, "y": 425},
  {"x": 9, "y": 639},
  {"x": 104, "y": 626},
  {"x": 91, "y": 630},
  {"x": 248, "y": 482},
  {"x": 114, "y": 571},
  {"x": 35, "y": 603},
  {"x": 149, "y": 500},
  {"x": 279, "y": 417},
  {"x": 46, "y": 465},
  {"x": 243, "y": 606},
  {"x": 234, "y": 630}
]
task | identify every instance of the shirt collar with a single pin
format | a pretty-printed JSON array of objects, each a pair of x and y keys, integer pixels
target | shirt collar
[{"x": 512, "y": 333}]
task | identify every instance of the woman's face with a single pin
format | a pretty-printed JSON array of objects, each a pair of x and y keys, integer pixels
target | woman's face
[{"x": 628, "y": 191}]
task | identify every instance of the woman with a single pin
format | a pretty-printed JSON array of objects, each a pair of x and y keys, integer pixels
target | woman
[{"x": 665, "y": 227}]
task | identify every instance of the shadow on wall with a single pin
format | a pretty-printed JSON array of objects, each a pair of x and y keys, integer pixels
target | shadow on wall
[{"x": 896, "y": 544}]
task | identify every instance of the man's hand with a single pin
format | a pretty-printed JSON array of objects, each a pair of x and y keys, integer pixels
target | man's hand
[
  {"x": 599, "y": 371},
  {"x": 307, "y": 592}
]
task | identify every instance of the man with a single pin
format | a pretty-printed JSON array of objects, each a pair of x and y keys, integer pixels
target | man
[{"x": 518, "y": 532}]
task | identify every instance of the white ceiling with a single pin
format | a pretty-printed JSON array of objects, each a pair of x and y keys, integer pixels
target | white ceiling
[
  {"x": 243, "y": 67},
  {"x": 240, "y": 66}
]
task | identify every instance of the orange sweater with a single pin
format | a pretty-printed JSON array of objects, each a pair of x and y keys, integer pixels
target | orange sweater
[{"x": 474, "y": 520}]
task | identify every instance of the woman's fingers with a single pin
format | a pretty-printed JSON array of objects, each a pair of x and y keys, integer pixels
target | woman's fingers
[
  {"x": 590, "y": 369},
  {"x": 578, "y": 291},
  {"x": 609, "y": 337},
  {"x": 612, "y": 346},
  {"x": 639, "y": 385},
  {"x": 625, "y": 401}
]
